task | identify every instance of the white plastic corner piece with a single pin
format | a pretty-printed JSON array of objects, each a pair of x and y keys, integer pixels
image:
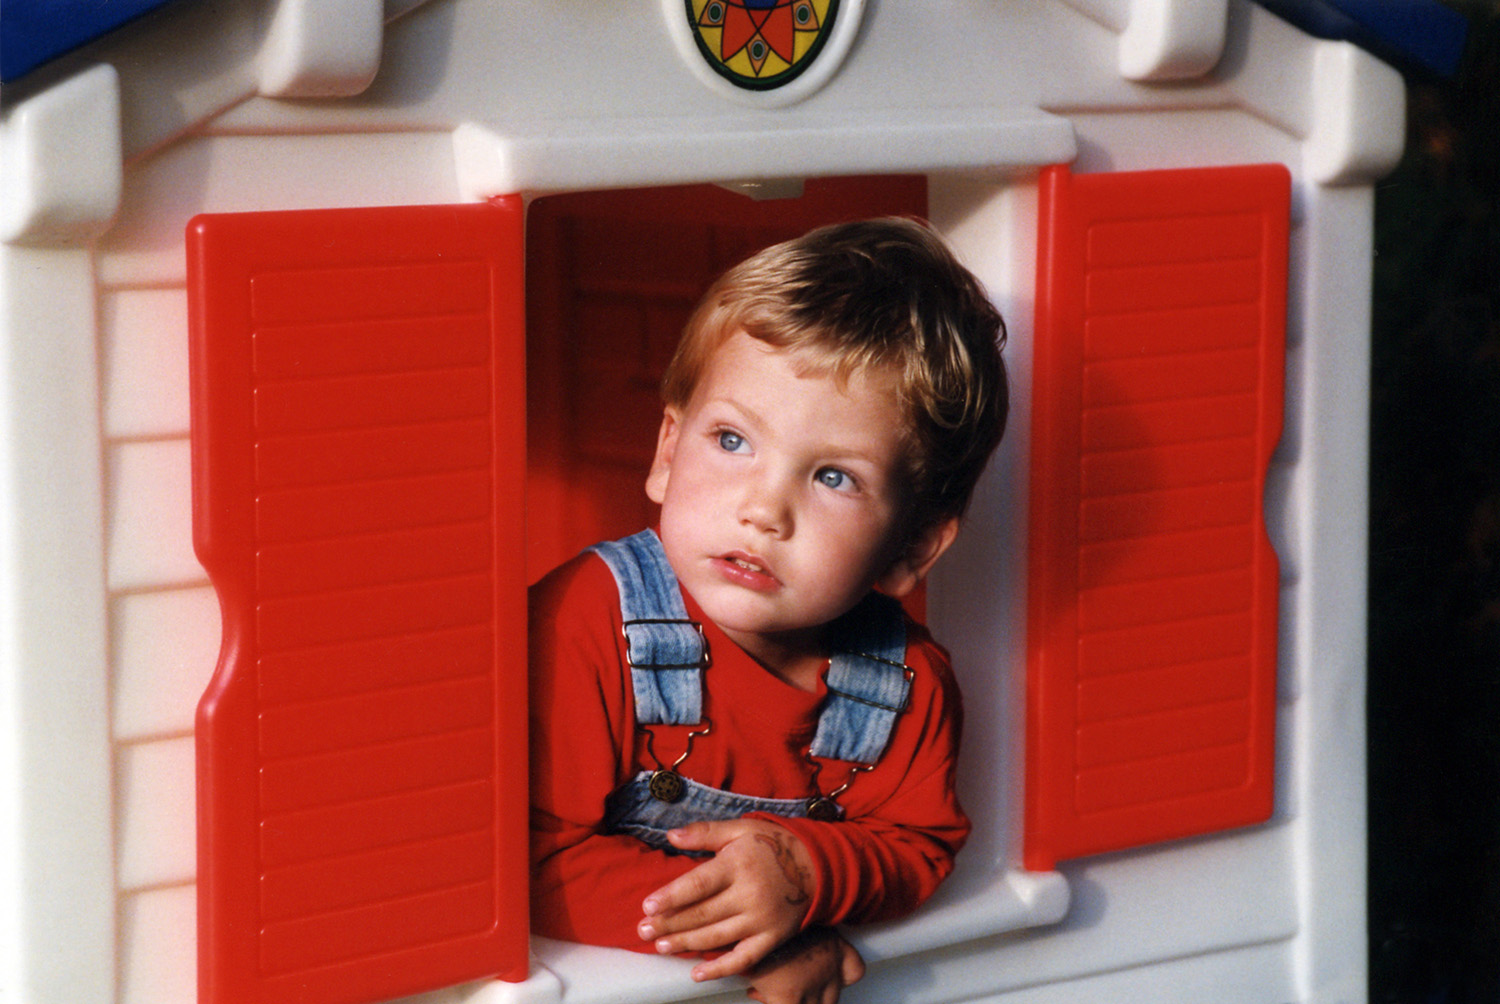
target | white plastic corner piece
[
  {"x": 541, "y": 987},
  {"x": 1172, "y": 39},
  {"x": 322, "y": 48},
  {"x": 61, "y": 166},
  {"x": 1358, "y": 124}
]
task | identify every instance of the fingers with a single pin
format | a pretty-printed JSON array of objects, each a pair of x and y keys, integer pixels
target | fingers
[
  {"x": 702, "y": 883},
  {"x": 705, "y": 836},
  {"x": 851, "y": 967},
  {"x": 712, "y": 937},
  {"x": 698, "y": 930},
  {"x": 742, "y": 957},
  {"x": 751, "y": 895},
  {"x": 695, "y": 913}
]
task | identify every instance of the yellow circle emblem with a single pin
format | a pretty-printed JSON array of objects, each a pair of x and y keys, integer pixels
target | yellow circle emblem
[{"x": 760, "y": 44}]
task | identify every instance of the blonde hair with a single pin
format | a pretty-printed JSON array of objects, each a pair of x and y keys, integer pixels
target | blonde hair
[{"x": 884, "y": 293}]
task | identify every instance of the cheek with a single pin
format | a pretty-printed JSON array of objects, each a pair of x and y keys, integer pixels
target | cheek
[
  {"x": 692, "y": 484},
  {"x": 857, "y": 539},
  {"x": 692, "y": 494}
]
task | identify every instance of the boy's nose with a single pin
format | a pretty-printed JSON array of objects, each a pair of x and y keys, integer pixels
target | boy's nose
[{"x": 765, "y": 508}]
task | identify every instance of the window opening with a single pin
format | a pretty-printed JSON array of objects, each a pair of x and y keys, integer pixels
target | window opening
[{"x": 611, "y": 279}]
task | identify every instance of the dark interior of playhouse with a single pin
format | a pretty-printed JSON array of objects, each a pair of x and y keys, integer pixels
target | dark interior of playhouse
[{"x": 1434, "y": 615}]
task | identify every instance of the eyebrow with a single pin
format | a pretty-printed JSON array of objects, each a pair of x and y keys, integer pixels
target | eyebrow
[
  {"x": 750, "y": 415},
  {"x": 831, "y": 452}
]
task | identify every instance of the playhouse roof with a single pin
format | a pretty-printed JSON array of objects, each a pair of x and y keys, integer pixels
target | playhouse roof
[
  {"x": 35, "y": 31},
  {"x": 1421, "y": 33},
  {"x": 613, "y": 100},
  {"x": 1406, "y": 33}
]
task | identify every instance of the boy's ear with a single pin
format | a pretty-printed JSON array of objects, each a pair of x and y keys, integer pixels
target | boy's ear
[
  {"x": 912, "y": 566},
  {"x": 661, "y": 464}
]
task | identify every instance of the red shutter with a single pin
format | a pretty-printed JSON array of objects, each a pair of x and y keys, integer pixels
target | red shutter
[
  {"x": 358, "y": 462},
  {"x": 1152, "y": 585}
]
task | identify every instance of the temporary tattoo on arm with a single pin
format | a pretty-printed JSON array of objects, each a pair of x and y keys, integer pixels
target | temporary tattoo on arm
[{"x": 796, "y": 876}]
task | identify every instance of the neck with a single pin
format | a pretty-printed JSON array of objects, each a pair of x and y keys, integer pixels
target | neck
[{"x": 796, "y": 658}]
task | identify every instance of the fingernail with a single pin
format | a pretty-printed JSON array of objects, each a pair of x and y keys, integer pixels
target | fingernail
[
  {"x": 651, "y": 906},
  {"x": 664, "y": 947},
  {"x": 647, "y": 932}
]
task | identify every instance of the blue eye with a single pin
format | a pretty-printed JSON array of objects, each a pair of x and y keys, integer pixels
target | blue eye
[
  {"x": 832, "y": 477},
  {"x": 731, "y": 442}
]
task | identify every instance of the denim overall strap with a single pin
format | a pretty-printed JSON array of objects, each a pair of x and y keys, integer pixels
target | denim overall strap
[
  {"x": 666, "y": 650},
  {"x": 868, "y": 682}
]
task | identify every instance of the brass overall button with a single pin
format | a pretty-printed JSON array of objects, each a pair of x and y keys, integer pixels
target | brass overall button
[
  {"x": 822, "y": 809},
  {"x": 666, "y": 785}
]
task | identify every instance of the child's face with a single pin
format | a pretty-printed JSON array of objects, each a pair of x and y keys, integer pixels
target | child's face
[{"x": 784, "y": 496}]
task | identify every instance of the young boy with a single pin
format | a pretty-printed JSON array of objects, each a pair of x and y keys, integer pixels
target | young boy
[{"x": 738, "y": 738}]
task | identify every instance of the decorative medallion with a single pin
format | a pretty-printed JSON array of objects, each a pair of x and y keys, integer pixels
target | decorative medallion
[{"x": 761, "y": 44}]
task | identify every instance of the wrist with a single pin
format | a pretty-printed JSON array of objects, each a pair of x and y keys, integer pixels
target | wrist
[{"x": 811, "y": 861}]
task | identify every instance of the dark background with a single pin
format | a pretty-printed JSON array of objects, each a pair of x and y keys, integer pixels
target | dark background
[{"x": 1434, "y": 630}]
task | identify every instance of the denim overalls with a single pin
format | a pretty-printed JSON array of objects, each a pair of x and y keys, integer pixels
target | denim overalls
[{"x": 868, "y": 688}]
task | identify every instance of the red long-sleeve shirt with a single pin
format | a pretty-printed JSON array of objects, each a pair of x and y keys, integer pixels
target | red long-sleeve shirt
[{"x": 902, "y": 824}]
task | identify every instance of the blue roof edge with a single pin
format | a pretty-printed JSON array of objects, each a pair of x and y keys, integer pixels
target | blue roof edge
[
  {"x": 33, "y": 32},
  {"x": 1409, "y": 34}
]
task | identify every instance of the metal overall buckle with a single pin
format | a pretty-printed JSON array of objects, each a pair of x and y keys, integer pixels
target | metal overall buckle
[
  {"x": 665, "y": 784},
  {"x": 825, "y": 808},
  {"x": 701, "y": 663}
]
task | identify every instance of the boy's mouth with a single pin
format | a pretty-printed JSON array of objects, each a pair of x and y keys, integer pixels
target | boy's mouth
[{"x": 749, "y": 570}]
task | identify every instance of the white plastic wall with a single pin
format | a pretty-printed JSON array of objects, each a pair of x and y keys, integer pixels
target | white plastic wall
[{"x": 163, "y": 616}]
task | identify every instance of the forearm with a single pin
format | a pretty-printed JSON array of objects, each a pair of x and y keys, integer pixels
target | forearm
[
  {"x": 902, "y": 822},
  {"x": 591, "y": 891},
  {"x": 869, "y": 870}
]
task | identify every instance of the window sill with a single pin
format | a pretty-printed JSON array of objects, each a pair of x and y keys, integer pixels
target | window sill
[{"x": 967, "y": 908}]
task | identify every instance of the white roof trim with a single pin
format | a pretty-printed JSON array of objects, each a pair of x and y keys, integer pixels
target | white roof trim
[
  {"x": 61, "y": 172},
  {"x": 1172, "y": 39},
  {"x": 622, "y": 153},
  {"x": 1358, "y": 116},
  {"x": 321, "y": 48}
]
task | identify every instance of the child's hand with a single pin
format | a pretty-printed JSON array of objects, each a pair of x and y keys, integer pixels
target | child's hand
[
  {"x": 752, "y": 895},
  {"x": 810, "y": 969}
]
